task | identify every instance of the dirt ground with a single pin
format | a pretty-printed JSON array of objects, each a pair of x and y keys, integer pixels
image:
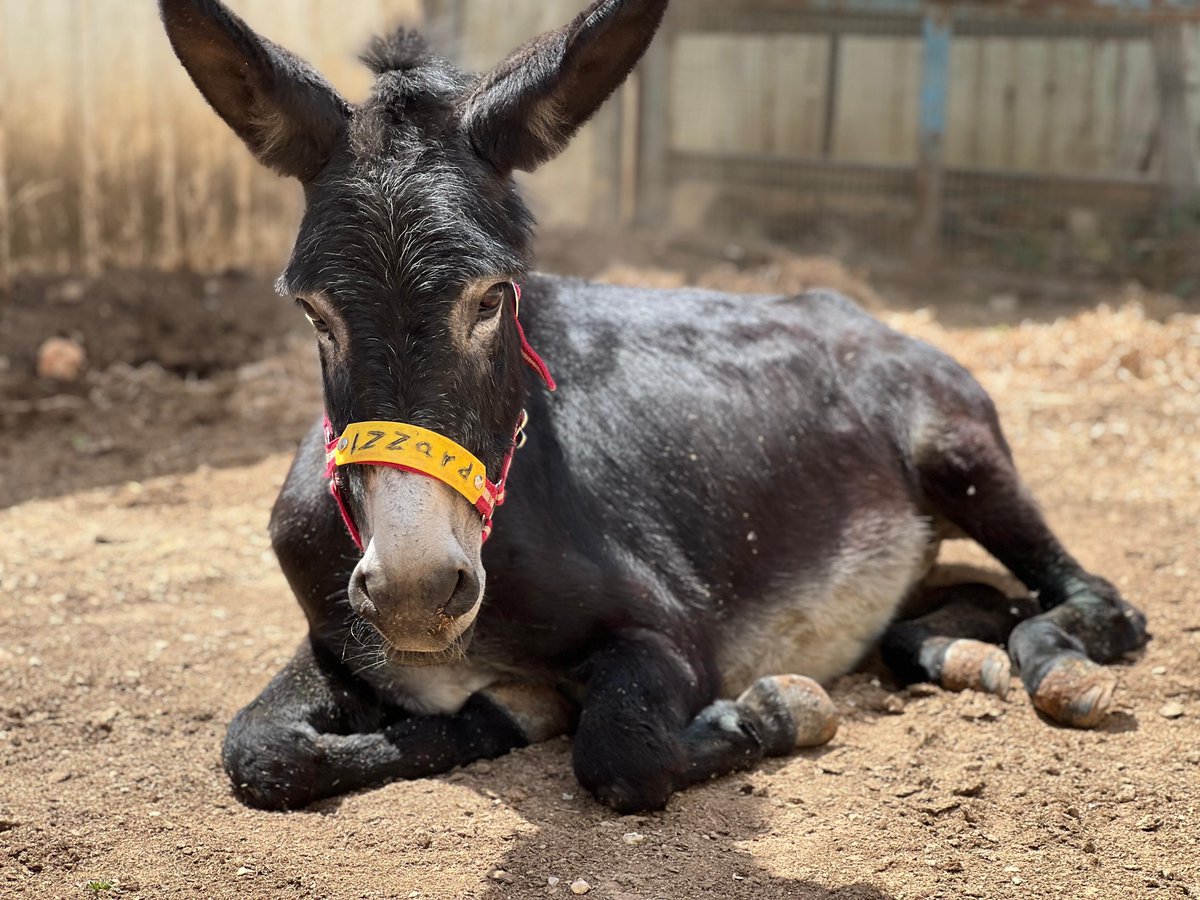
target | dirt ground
[{"x": 141, "y": 608}]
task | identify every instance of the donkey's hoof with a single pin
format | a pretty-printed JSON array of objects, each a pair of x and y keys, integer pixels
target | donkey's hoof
[
  {"x": 974, "y": 665},
  {"x": 1076, "y": 692},
  {"x": 798, "y": 706}
]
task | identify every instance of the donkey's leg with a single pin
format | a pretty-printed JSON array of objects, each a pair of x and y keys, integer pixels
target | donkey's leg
[
  {"x": 967, "y": 474},
  {"x": 639, "y": 740},
  {"x": 958, "y": 644},
  {"x": 773, "y": 717},
  {"x": 317, "y": 731}
]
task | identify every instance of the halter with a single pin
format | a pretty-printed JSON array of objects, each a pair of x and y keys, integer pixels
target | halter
[{"x": 397, "y": 445}]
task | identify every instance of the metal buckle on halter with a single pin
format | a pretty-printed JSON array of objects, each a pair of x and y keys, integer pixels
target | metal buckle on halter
[{"x": 521, "y": 437}]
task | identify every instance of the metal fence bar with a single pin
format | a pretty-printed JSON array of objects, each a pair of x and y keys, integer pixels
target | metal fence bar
[{"x": 931, "y": 131}]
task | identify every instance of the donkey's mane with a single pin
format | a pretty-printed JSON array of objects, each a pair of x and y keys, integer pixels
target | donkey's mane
[{"x": 403, "y": 49}]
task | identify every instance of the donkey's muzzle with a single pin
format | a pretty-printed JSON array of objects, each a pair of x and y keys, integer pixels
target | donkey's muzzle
[
  {"x": 420, "y": 580},
  {"x": 422, "y": 612}
]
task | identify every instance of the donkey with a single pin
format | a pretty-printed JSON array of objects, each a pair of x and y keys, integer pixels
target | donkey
[{"x": 727, "y": 501}]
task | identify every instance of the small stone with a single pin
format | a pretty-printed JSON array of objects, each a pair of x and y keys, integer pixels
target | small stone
[
  {"x": 922, "y": 689},
  {"x": 580, "y": 887},
  {"x": 35, "y": 662},
  {"x": 1149, "y": 823},
  {"x": 552, "y": 880},
  {"x": 244, "y": 871},
  {"x": 1171, "y": 710},
  {"x": 503, "y": 877},
  {"x": 103, "y": 721},
  {"x": 60, "y": 359},
  {"x": 980, "y": 711},
  {"x": 951, "y": 865},
  {"x": 633, "y": 838},
  {"x": 940, "y": 807},
  {"x": 969, "y": 789},
  {"x": 1159, "y": 670}
]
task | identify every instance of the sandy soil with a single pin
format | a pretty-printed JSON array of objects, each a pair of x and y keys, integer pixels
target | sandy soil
[{"x": 138, "y": 613}]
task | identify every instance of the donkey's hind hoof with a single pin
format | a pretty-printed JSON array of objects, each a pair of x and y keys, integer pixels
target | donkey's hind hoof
[
  {"x": 1076, "y": 692},
  {"x": 794, "y": 706},
  {"x": 974, "y": 665}
]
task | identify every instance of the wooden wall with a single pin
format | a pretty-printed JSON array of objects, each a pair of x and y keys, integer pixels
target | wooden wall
[{"x": 111, "y": 158}]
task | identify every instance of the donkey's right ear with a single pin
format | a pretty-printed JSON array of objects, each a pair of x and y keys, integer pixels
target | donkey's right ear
[{"x": 288, "y": 115}]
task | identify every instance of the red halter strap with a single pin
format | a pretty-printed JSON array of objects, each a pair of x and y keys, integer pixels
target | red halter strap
[{"x": 494, "y": 491}]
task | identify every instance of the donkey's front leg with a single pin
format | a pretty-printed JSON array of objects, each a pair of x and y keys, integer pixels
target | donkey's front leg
[
  {"x": 317, "y": 731},
  {"x": 645, "y": 730}
]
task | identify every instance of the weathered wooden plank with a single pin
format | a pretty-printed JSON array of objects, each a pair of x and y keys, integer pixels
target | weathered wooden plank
[
  {"x": 1176, "y": 135},
  {"x": 654, "y": 127},
  {"x": 1129, "y": 194},
  {"x": 6, "y": 258}
]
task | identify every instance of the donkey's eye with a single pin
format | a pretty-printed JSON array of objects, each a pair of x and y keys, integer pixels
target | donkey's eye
[
  {"x": 494, "y": 298},
  {"x": 313, "y": 317}
]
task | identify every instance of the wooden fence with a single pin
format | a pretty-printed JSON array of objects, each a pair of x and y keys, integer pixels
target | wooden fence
[{"x": 109, "y": 157}]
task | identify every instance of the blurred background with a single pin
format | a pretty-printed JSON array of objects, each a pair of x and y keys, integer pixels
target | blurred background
[
  {"x": 1040, "y": 136},
  {"x": 996, "y": 162}
]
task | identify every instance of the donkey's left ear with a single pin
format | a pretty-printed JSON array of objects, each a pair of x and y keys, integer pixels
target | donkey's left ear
[{"x": 525, "y": 111}]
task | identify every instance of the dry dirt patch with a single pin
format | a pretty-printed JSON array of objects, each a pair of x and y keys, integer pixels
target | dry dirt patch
[{"x": 137, "y": 618}]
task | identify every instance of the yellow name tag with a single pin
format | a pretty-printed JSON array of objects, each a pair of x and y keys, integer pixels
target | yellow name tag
[{"x": 419, "y": 449}]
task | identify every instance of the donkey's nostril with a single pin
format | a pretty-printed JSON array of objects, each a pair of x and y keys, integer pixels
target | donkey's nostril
[
  {"x": 464, "y": 595},
  {"x": 360, "y": 594}
]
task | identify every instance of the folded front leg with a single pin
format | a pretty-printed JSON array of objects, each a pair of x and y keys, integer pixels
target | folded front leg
[
  {"x": 649, "y": 726},
  {"x": 317, "y": 731}
]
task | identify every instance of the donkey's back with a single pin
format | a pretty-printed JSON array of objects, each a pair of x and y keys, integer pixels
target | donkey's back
[{"x": 749, "y": 462}]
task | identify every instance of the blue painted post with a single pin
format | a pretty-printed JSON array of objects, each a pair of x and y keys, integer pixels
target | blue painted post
[{"x": 935, "y": 73}]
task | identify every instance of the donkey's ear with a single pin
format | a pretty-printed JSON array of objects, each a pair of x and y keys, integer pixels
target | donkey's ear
[
  {"x": 526, "y": 110},
  {"x": 289, "y": 116}
]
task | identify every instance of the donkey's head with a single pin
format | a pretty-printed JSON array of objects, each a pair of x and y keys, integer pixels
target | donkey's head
[{"x": 412, "y": 237}]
